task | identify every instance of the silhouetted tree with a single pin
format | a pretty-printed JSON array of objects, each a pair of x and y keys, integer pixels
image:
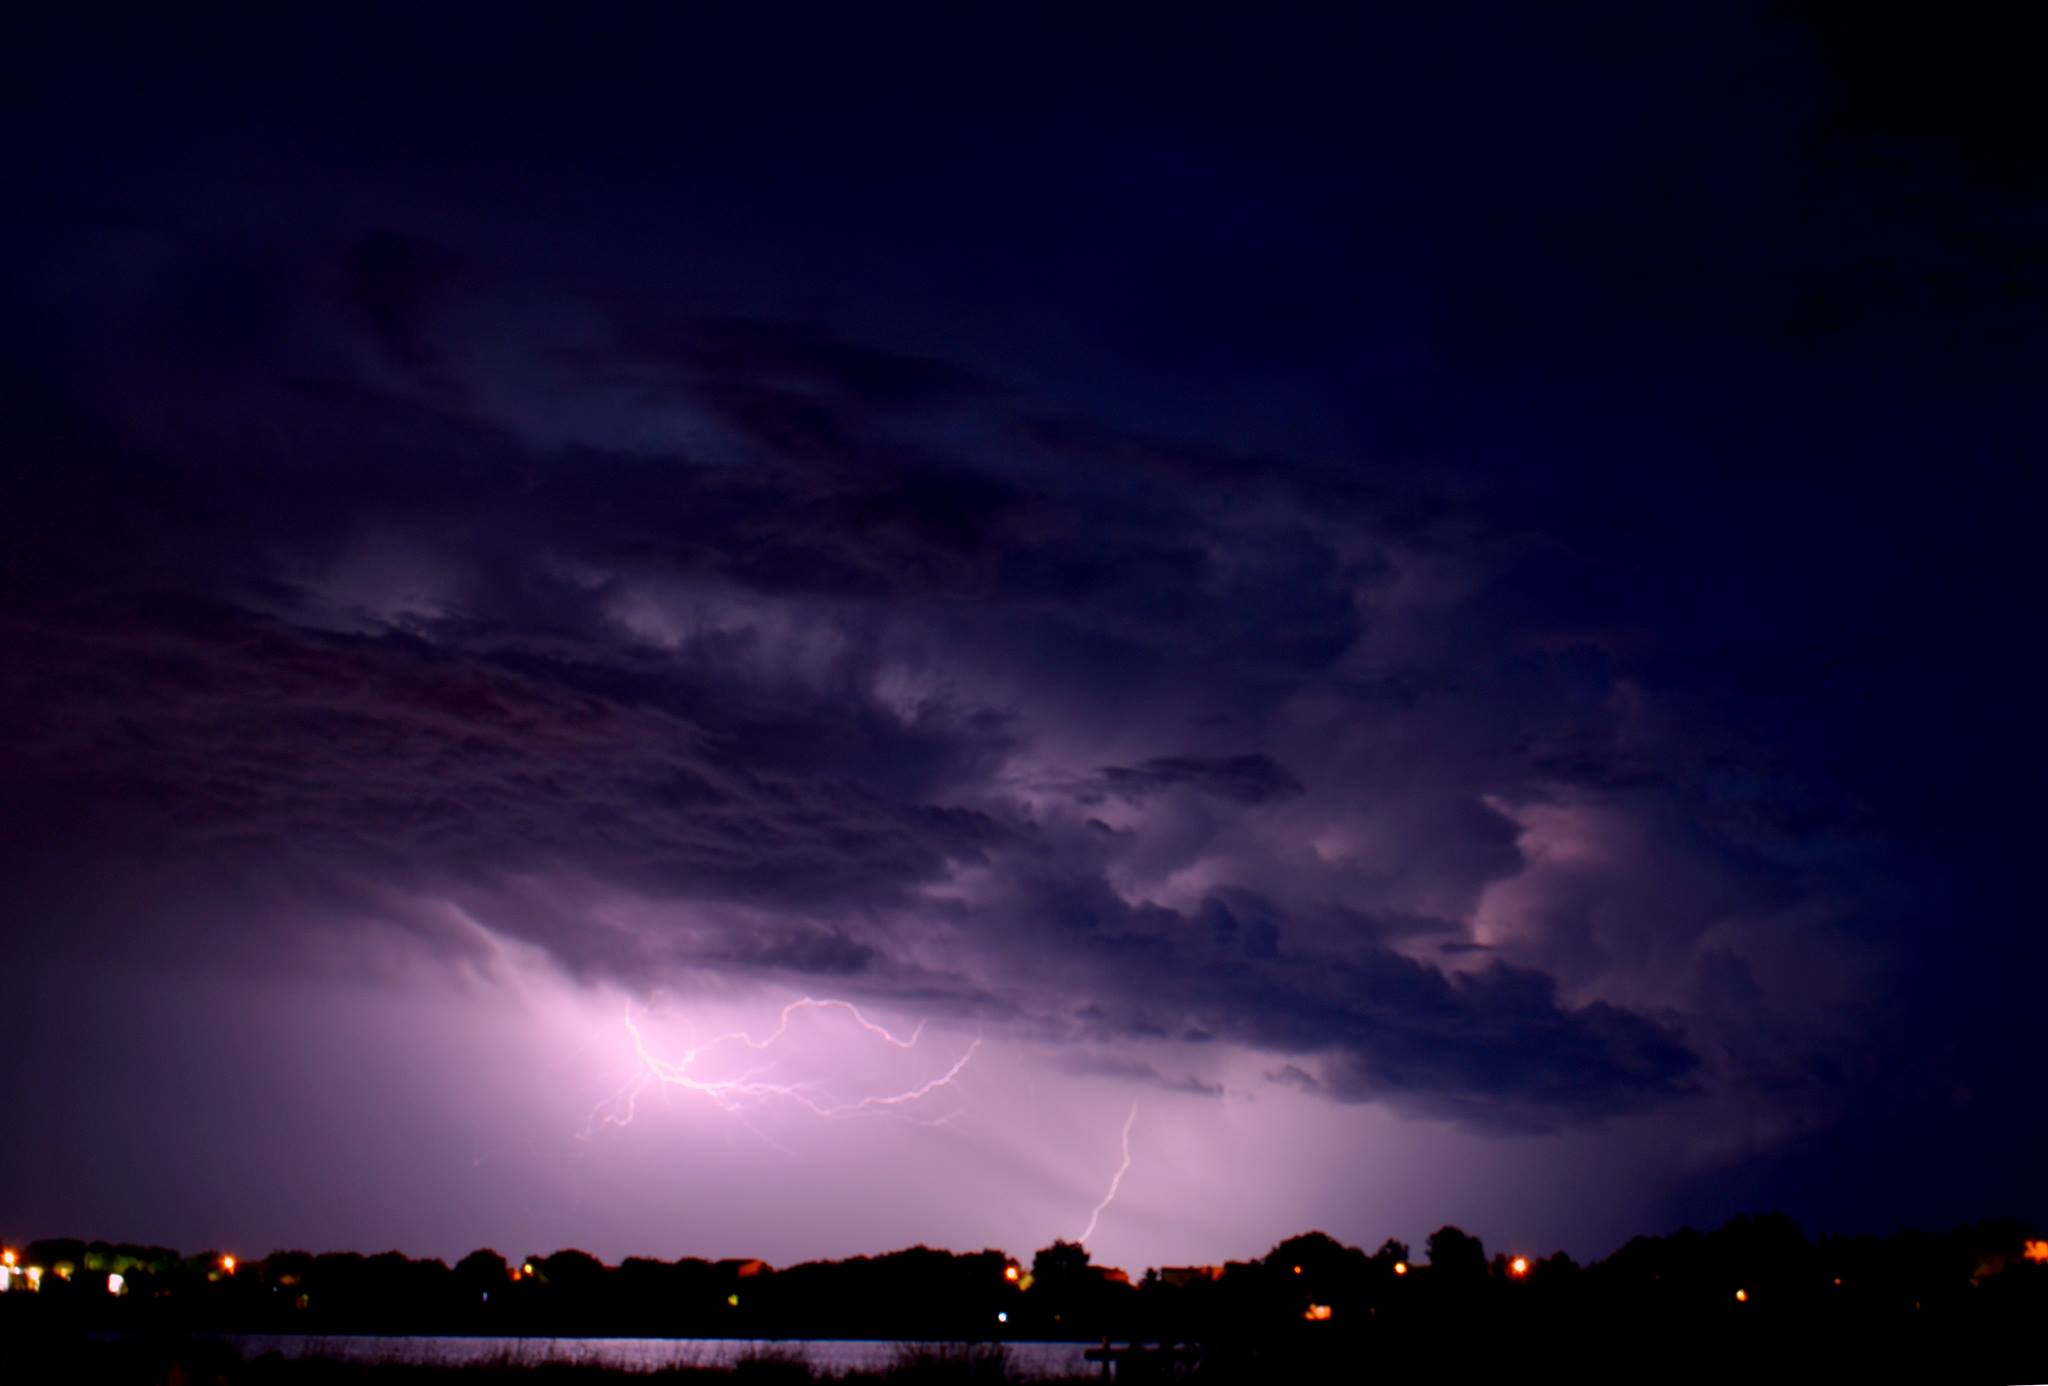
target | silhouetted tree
[
  {"x": 1062, "y": 1294},
  {"x": 1317, "y": 1254},
  {"x": 55, "y": 1252},
  {"x": 1456, "y": 1255},
  {"x": 1063, "y": 1261},
  {"x": 482, "y": 1277}
]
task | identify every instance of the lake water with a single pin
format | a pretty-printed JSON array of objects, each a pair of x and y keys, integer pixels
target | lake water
[{"x": 634, "y": 1354}]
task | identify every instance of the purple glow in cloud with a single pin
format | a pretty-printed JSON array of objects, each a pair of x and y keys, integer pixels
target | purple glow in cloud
[
  {"x": 1387, "y": 635},
  {"x": 751, "y": 1084}
]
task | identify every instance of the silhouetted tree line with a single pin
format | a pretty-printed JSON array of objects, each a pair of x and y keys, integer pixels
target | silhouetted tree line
[{"x": 1965, "y": 1303}]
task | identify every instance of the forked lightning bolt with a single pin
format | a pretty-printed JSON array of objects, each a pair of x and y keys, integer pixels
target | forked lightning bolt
[
  {"x": 751, "y": 1087},
  {"x": 1114, "y": 1183}
]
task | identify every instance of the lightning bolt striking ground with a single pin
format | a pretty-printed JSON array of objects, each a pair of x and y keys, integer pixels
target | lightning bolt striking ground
[
  {"x": 1121, "y": 1170},
  {"x": 750, "y": 1087}
]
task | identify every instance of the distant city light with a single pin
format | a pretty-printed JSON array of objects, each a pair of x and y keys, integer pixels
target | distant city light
[
  {"x": 116, "y": 1283},
  {"x": 227, "y": 1264},
  {"x": 2036, "y": 1249},
  {"x": 1011, "y": 1273},
  {"x": 7, "y": 1259},
  {"x": 1742, "y": 1296},
  {"x": 1316, "y": 1313},
  {"x": 1297, "y": 1270},
  {"x": 35, "y": 1277},
  {"x": 1002, "y": 1316},
  {"x": 733, "y": 1300},
  {"x": 527, "y": 1268},
  {"x": 1400, "y": 1267},
  {"x": 1519, "y": 1266}
]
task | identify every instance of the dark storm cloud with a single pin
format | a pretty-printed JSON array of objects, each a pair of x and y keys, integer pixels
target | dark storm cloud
[
  {"x": 1095, "y": 1065},
  {"x": 451, "y": 658},
  {"x": 1509, "y": 593},
  {"x": 399, "y": 285},
  {"x": 1248, "y": 779},
  {"x": 789, "y": 354},
  {"x": 471, "y": 754},
  {"x": 1495, "y": 1047}
]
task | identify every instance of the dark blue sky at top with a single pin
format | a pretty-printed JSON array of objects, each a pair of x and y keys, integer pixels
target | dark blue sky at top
[{"x": 1484, "y": 560}]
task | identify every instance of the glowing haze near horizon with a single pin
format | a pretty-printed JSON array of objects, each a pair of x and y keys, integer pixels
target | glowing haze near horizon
[{"x": 1319, "y": 629}]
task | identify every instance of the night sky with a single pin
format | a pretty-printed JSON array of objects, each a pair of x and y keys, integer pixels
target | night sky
[{"x": 1391, "y": 617}]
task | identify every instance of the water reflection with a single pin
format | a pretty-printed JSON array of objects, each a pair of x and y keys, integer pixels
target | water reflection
[{"x": 632, "y": 1354}]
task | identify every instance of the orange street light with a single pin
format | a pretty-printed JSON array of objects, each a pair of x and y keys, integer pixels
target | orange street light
[
  {"x": 1297, "y": 1270},
  {"x": 1010, "y": 1273},
  {"x": 7, "y": 1259},
  {"x": 227, "y": 1264},
  {"x": 1519, "y": 1266},
  {"x": 1400, "y": 1267},
  {"x": 1742, "y": 1296},
  {"x": 2036, "y": 1249}
]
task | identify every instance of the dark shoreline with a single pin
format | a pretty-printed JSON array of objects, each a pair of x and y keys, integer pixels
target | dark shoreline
[{"x": 1752, "y": 1300}]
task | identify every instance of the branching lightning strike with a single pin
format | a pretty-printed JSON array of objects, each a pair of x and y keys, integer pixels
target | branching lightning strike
[
  {"x": 751, "y": 1086},
  {"x": 1115, "y": 1182}
]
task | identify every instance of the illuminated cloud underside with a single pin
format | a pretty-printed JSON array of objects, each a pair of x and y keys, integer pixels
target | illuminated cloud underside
[{"x": 714, "y": 664}]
